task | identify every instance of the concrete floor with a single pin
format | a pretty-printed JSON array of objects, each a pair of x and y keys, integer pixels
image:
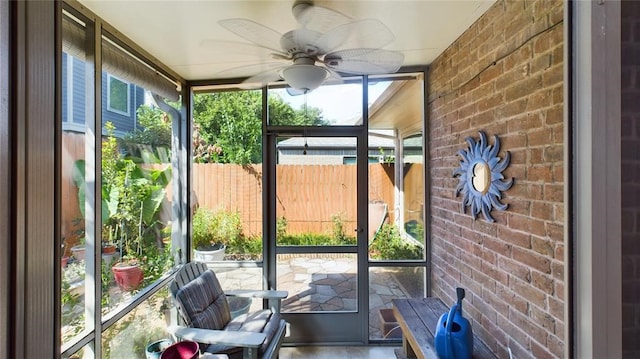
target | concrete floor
[{"x": 338, "y": 352}]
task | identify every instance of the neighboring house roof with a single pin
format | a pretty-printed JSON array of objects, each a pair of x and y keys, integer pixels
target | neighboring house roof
[{"x": 317, "y": 143}]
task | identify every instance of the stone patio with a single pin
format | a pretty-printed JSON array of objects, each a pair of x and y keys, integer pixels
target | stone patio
[{"x": 322, "y": 283}]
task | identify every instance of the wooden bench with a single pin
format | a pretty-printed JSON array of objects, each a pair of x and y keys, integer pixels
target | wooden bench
[{"x": 418, "y": 319}]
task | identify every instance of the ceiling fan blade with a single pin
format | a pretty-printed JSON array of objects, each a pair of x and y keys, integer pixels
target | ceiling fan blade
[
  {"x": 367, "y": 33},
  {"x": 263, "y": 78},
  {"x": 250, "y": 70},
  {"x": 258, "y": 34},
  {"x": 318, "y": 18},
  {"x": 334, "y": 77},
  {"x": 364, "y": 61}
]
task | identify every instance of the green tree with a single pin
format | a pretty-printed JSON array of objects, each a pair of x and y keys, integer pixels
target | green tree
[{"x": 228, "y": 125}]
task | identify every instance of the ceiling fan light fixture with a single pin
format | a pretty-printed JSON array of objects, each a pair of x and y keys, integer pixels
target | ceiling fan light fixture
[{"x": 304, "y": 78}]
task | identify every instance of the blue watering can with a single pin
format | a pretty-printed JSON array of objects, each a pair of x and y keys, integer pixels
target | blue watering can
[{"x": 454, "y": 337}]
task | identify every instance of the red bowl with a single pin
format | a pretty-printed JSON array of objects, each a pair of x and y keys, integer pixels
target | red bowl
[{"x": 181, "y": 350}]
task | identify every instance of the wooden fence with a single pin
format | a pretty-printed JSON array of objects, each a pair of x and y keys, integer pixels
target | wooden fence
[{"x": 307, "y": 196}]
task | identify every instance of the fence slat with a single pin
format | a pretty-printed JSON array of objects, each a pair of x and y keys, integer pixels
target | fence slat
[{"x": 307, "y": 195}]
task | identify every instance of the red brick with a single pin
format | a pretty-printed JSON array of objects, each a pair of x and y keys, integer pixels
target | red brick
[
  {"x": 523, "y": 88},
  {"x": 548, "y": 41},
  {"x": 515, "y": 269},
  {"x": 553, "y": 154},
  {"x": 490, "y": 102},
  {"x": 559, "y": 290},
  {"x": 520, "y": 98},
  {"x": 542, "y": 246},
  {"x": 543, "y": 282},
  {"x": 513, "y": 140},
  {"x": 543, "y": 319},
  {"x": 531, "y": 259},
  {"x": 557, "y": 270},
  {"x": 555, "y": 343},
  {"x": 525, "y": 122},
  {"x": 540, "y": 99},
  {"x": 517, "y": 206},
  {"x": 542, "y": 210},
  {"x": 554, "y": 115},
  {"x": 553, "y": 192},
  {"x": 558, "y": 97},
  {"x": 482, "y": 119},
  {"x": 540, "y": 352},
  {"x": 536, "y": 156},
  {"x": 522, "y": 321},
  {"x": 540, "y": 174},
  {"x": 491, "y": 73},
  {"x": 497, "y": 246},
  {"x": 541, "y": 63},
  {"x": 555, "y": 232},
  {"x": 520, "y": 56},
  {"x": 553, "y": 76},
  {"x": 556, "y": 308},
  {"x": 539, "y": 136},
  {"x": 520, "y": 239}
]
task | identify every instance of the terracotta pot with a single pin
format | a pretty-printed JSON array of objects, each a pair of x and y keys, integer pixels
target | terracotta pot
[
  {"x": 65, "y": 260},
  {"x": 128, "y": 276},
  {"x": 108, "y": 249}
]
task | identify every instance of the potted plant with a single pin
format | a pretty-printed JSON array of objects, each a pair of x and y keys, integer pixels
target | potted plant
[
  {"x": 132, "y": 194},
  {"x": 203, "y": 237},
  {"x": 212, "y": 231}
]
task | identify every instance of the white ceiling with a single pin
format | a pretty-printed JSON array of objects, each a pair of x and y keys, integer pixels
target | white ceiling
[{"x": 186, "y": 37}]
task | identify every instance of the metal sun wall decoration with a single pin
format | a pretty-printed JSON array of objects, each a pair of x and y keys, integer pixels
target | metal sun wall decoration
[{"x": 481, "y": 179}]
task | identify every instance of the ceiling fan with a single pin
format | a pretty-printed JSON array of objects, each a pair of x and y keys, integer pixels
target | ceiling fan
[{"x": 325, "y": 44}]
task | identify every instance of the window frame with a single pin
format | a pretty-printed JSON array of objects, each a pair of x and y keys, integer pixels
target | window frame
[{"x": 110, "y": 108}]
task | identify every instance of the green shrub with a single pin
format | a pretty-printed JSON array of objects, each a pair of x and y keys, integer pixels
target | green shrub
[
  {"x": 388, "y": 244},
  {"x": 337, "y": 228},
  {"x": 315, "y": 239},
  {"x": 281, "y": 227},
  {"x": 201, "y": 228},
  {"x": 219, "y": 227}
]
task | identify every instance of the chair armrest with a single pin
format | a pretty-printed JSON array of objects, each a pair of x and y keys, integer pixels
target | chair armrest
[
  {"x": 209, "y": 336},
  {"x": 265, "y": 294},
  {"x": 274, "y": 296}
]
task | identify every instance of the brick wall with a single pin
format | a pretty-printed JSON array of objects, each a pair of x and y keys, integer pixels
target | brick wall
[
  {"x": 630, "y": 32},
  {"x": 504, "y": 76}
]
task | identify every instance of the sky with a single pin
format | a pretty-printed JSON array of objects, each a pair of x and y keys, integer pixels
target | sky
[{"x": 341, "y": 104}]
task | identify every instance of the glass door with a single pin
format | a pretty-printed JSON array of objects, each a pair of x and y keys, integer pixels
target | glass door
[{"x": 316, "y": 237}]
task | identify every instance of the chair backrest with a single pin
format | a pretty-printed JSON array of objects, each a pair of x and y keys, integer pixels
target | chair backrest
[
  {"x": 186, "y": 274},
  {"x": 199, "y": 297}
]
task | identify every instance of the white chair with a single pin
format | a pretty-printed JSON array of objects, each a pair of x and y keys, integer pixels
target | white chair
[{"x": 204, "y": 310}]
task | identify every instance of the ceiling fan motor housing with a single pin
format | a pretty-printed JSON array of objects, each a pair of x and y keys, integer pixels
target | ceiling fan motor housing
[{"x": 301, "y": 41}]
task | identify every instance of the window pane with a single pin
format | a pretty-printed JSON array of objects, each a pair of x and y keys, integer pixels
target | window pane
[
  {"x": 316, "y": 191},
  {"x": 396, "y": 182},
  {"x": 328, "y": 105},
  {"x": 318, "y": 282},
  {"x": 75, "y": 308},
  {"x": 118, "y": 95},
  {"x": 227, "y": 176},
  {"x": 386, "y": 284},
  {"x": 136, "y": 173},
  {"x": 146, "y": 324},
  {"x": 413, "y": 183}
]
